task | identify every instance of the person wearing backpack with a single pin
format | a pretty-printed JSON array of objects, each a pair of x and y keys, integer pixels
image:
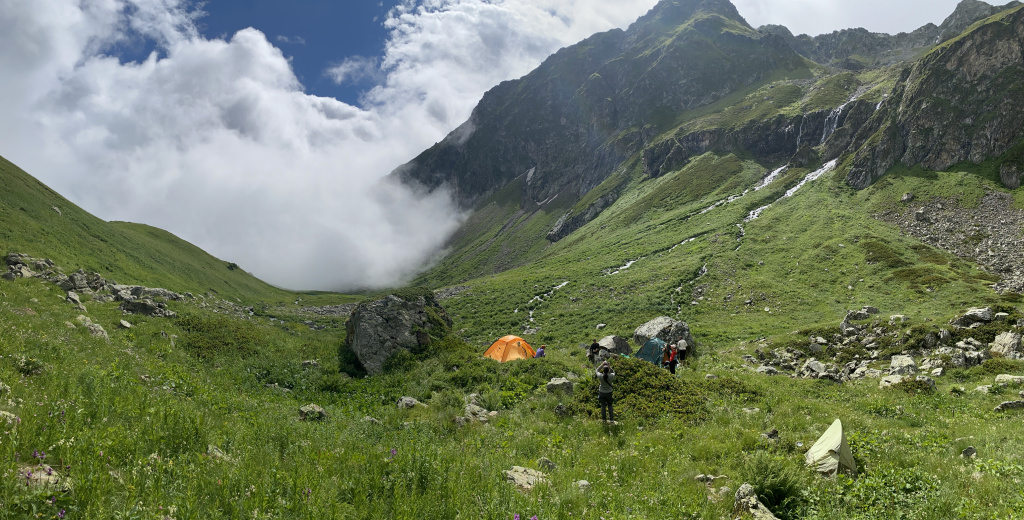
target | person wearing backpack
[{"x": 606, "y": 376}]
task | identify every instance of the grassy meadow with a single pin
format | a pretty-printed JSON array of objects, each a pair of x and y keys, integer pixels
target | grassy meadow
[{"x": 197, "y": 416}]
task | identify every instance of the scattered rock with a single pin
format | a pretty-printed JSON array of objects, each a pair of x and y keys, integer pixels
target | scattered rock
[
  {"x": 546, "y": 463},
  {"x": 582, "y": 485},
  {"x": 1009, "y": 405},
  {"x": 601, "y": 326},
  {"x": 312, "y": 412},
  {"x": 125, "y": 324},
  {"x": 216, "y": 453},
  {"x": 477, "y": 413},
  {"x": 147, "y": 307},
  {"x": 747, "y": 503},
  {"x": 984, "y": 389},
  {"x": 612, "y": 346},
  {"x": 907, "y": 197},
  {"x": 1007, "y": 345},
  {"x": 560, "y": 384},
  {"x": 889, "y": 381},
  {"x": 43, "y": 477},
  {"x": 524, "y": 478},
  {"x": 561, "y": 410},
  {"x": 372, "y": 420},
  {"x": 710, "y": 377},
  {"x": 969, "y": 452},
  {"x": 767, "y": 370},
  {"x": 74, "y": 299},
  {"x": 902, "y": 366},
  {"x": 974, "y": 316},
  {"x": 1007, "y": 379},
  {"x": 406, "y": 402},
  {"x": 310, "y": 364},
  {"x": 938, "y": 372}
]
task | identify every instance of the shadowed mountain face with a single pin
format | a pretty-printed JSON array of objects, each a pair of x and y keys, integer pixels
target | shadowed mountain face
[
  {"x": 568, "y": 124},
  {"x": 543, "y": 156}
]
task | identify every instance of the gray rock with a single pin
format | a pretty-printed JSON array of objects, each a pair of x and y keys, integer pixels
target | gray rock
[
  {"x": 907, "y": 197},
  {"x": 767, "y": 370},
  {"x": 147, "y": 308},
  {"x": 889, "y": 381},
  {"x": 746, "y": 502},
  {"x": 524, "y": 478},
  {"x": 125, "y": 324},
  {"x": 1007, "y": 345},
  {"x": 312, "y": 412},
  {"x": 601, "y": 326},
  {"x": 1007, "y": 379},
  {"x": 310, "y": 364},
  {"x": 546, "y": 463},
  {"x": 405, "y": 403},
  {"x": 974, "y": 316},
  {"x": 983, "y": 389},
  {"x": 710, "y": 377},
  {"x": 582, "y": 485},
  {"x": 476, "y": 413},
  {"x": 928, "y": 380},
  {"x": 74, "y": 299},
  {"x": 1009, "y": 405},
  {"x": 969, "y": 452},
  {"x": 938, "y": 372},
  {"x": 902, "y": 366},
  {"x": 668, "y": 329},
  {"x": 560, "y": 385},
  {"x": 612, "y": 346},
  {"x": 561, "y": 410},
  {"x": 379, "y": 329}
]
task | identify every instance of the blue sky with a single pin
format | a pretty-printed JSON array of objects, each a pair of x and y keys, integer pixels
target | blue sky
[{"x": 314, "y": 34}]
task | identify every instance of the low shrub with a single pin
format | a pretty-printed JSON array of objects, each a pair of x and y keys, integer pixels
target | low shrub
[
  {"x": 646, "y": 393},
  {"x": 209, "y": 337},
  {"x": 778, "y": 484},
  {"x": 914, "y": 387}
]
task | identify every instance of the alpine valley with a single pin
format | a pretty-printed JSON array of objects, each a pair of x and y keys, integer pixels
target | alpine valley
[{"x": 832, "y": 224}]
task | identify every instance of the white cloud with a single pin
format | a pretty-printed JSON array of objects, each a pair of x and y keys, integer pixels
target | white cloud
[
  {"x": 290, "y": 40},
  {"x": 216, "y": 141},
  {"x": 355, "y": 69}
]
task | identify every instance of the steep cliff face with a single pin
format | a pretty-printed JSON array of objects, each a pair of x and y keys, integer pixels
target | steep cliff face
[
  {"x": 591, "y": 106},
  {"x": 962, "y": 102}
]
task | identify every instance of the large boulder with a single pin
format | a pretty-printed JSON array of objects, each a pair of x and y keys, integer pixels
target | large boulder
[
  {"x": 902, "y": 366},
  {"x": 147, "y": 307},
  {"x": 612, "y": 346},
  {"x": 382, "y": 328},
  {"x": 667, "y": 329},
  {"x": 1007, "y": 345},
  {"x": 973, "y": 317}
]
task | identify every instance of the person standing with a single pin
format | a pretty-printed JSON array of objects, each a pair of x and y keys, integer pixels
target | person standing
[
  {"x": 595, "y": 348},
  {"x": 606, "y": 376},
  {"x": 670, "y": 359}
]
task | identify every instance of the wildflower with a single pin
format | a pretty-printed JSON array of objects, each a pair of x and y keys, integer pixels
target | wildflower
[
  {"x": 394, "y": 452},
  {"x": 61, "y": 514},
  {"x": 516, "y": 517}
]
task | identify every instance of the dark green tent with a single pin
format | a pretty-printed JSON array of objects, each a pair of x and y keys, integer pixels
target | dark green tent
[{"x": 651, "y": 351}]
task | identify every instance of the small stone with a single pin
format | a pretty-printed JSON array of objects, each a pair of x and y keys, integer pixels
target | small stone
[
  {"x": 710, "y": 377},
  {"x": 938, "y": 372},
  {"x": 407, "y": 402},
  {"x": 125, "y": 324},
  {"x": 599, "y": 327},
  {"x": 312, "y": 412},
  {"x": 546, "y": 463},
  {"x": 524, "y": 478},
  {"x": 372, "y": 420},
  {"x": 582, "y": 485},
  {"x": 969, "y": 452}
]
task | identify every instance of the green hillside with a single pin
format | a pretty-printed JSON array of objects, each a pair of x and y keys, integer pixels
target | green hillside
[{"x": 41, "y": 223}]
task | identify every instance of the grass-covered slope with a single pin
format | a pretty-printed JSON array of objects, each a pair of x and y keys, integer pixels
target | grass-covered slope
[{"x": 40, "y": 222}]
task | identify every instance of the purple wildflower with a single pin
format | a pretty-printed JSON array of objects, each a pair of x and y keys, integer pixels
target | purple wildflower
[
  {"x": 61, "y": 514},
  {"x": 394, "y": 452},
  {"x": 516, "y": 517}
]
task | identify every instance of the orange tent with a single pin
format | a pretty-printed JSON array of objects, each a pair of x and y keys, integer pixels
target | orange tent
[{"x": 510, "y": 348}]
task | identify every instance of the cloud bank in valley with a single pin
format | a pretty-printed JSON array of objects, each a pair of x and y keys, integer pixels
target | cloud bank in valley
[{"x": 216, "y": 141}]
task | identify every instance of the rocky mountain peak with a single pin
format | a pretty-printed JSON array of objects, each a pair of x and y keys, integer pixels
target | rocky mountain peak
[{"x": 968, "y": 12}]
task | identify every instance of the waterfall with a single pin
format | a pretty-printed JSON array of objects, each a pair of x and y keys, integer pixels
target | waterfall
[
  {"x": 800, "y": 136},
  {"x": 832, "y": 122}
]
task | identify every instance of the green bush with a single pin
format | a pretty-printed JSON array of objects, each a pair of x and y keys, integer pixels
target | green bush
[
  {"x": 646, "y": 393},
  {"x": 777, "y": 482},
  {"x": 996, "y": 366},
  {"x": 209, "y": 337},
  {"x": 914, "y": 387}
]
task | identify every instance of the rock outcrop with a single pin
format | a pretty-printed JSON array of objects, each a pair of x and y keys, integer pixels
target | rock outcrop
[
  {"x": 667, "y": 329},
  {"x": 382, "y": 328}
]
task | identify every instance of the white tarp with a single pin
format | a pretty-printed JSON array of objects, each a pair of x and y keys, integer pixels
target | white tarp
[{"x": 831, "y": 454}]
